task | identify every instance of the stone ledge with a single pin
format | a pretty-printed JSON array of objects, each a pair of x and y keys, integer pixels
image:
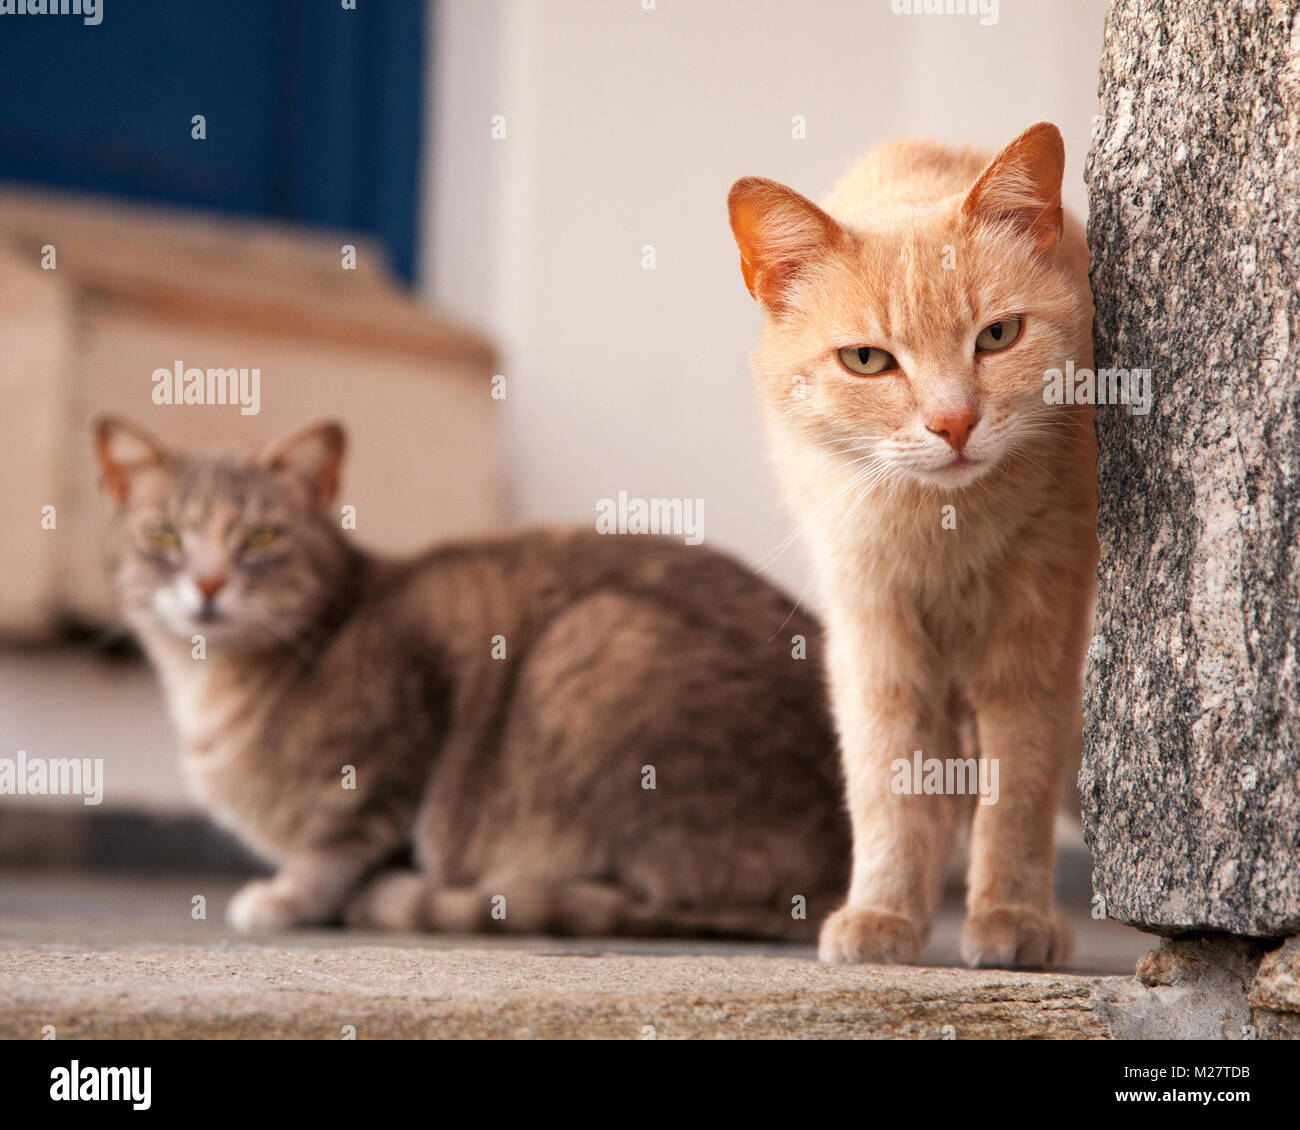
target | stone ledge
[
  {"x": 1217, "y": 987},
  {"x": 114, "y": 956},
  {"x": 393, "y": 992}
]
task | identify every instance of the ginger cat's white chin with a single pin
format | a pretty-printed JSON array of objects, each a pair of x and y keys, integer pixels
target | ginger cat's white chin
[{"x": 953, "y": 473}]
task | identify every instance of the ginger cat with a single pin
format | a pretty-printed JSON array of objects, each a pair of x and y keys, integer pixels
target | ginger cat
[{"x": 951, "y": 512}]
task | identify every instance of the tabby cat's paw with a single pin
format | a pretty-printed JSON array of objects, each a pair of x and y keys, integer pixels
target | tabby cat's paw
[
  {"x": 1014, "y": 937},
  {"x": 852, "y": 934},
  {"x": 261, "y": 907}
]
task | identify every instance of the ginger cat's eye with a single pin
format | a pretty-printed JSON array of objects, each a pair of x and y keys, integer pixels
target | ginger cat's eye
[
  {"x": 259, "y": 537},
  {"x": 997, "y": 336},
  {"x": 164, "y": 535},
  {"x": 867, "y": 360}
]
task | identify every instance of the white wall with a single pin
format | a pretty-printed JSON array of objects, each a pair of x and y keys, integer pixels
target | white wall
[{"x": 626, "y": 127}]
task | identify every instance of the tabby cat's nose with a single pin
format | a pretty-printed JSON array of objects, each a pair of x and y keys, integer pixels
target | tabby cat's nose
[
  {"x": 210, "y": 585},
  {"x": 955, "y": 426}
]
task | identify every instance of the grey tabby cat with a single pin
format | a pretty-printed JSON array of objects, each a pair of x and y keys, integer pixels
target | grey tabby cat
[{"x": 490, "y": 792}]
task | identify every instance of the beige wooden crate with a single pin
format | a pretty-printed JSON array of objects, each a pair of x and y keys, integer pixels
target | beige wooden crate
[{"x": 138, "y": 289}]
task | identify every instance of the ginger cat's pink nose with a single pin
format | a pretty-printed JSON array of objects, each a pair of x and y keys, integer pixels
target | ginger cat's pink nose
[
  {"x": 955, "y": 426},
  {"x": 210, "y": 585}
]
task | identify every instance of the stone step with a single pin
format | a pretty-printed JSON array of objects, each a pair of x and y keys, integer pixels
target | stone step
[{"x": 400, "y": 992}]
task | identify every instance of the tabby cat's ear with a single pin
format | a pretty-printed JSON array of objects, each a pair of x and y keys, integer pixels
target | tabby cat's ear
[
  {"x": 780, "y": 235},
  {"x": 1022, "y": 187},
  {"x": 121, "y": 450},
  {"x": 315, "y": 455}
]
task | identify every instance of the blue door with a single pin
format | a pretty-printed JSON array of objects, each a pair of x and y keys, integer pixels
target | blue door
[{"x": 312, "y": 110}]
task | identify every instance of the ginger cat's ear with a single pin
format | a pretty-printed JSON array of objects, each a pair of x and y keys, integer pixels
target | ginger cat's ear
[
  {"x": 121, "y": 449},
  {"x": 780, "y": 234},
  {"x": 1022, "y": 186},
  {"x": 315, "y": 454}
]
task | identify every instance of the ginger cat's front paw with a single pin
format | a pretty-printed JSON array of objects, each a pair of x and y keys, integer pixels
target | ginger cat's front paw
[
  {"x": 854, "y": 934},
  {"x": 1014, "y": 937},
  {"x": 263, "y": 906}
]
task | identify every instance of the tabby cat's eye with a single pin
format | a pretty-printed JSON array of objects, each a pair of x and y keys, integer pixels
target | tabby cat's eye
[
  {"x": 997, "y": 336},
  {"x": 164, "y": 535},
  {"x": 259, "y": 537},
  {"x": 867, "y": 360}
]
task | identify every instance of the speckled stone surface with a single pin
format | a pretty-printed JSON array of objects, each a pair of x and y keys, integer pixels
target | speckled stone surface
[
  {"x": 1191, "y": 772},
  {"x": 391, "y": 992},
  {"x": 103, "y": 956}
]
